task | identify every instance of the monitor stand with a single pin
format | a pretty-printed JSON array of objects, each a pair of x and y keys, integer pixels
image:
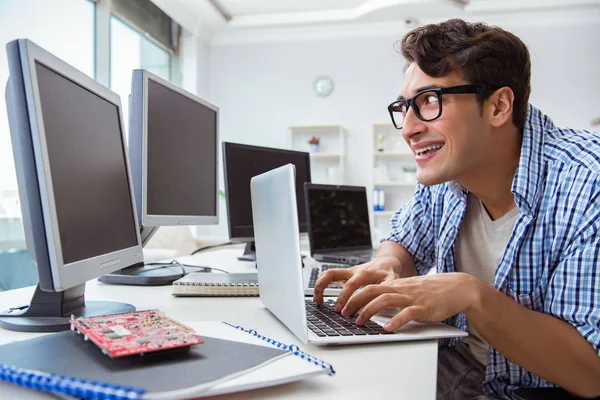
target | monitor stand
[
  {"x": 51, "y": 311},
  {"x": 249, "y": 252},
  {"x": 145, "y": 275}
]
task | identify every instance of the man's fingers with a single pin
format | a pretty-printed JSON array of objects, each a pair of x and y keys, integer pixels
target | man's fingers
[
  {"x": 412, "y": 313},
  {"x": 327, "y": 277},
  {"x": 381, "y": 302},
  {"x": 366, "y": 295},
  {"x": 360, "y": 278}
]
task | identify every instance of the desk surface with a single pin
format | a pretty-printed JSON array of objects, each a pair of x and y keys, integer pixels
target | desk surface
[{"x": 400, "y": 370}]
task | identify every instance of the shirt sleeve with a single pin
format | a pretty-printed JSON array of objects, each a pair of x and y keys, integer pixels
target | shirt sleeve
[
  {"x": 412, "y": 228},
  {"x": 573, "y": 293}
]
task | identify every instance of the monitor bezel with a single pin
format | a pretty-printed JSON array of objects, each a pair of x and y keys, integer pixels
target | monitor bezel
[
  {"x": 225, "y": 146},
  {"x": 152, "y": 220},
  {"x": 65, "y": 276},
  {"x": 311, "y": 187}
]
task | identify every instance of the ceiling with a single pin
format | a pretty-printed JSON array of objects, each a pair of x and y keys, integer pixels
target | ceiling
[
  {"x": 237, "y": 21},
  {"x": 244, "y": 7}
]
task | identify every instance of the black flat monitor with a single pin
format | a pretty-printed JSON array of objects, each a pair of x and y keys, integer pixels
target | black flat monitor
[
  {"x": 74, "y": 184},
  {"x": 241, "y": 162},
  {"x": 173, "y": 148},
  {"x": 338, "y": 218}
]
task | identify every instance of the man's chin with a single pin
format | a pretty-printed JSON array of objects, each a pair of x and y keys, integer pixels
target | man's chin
[{"x": 430, "y": 179}]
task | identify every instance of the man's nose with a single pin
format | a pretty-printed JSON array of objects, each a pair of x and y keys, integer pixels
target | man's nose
[{"x": 411, "y": 125}]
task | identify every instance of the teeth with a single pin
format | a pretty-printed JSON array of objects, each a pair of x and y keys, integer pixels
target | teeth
[{"x": 432, "y": 147}]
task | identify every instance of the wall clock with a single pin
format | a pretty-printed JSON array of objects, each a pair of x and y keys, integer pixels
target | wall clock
[{"x": 323, "y": 86}]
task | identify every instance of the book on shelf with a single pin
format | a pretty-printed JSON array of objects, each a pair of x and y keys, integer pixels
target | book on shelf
[
  {"x": 217, "y": 285},
  {"x": 231, "y": 359}
]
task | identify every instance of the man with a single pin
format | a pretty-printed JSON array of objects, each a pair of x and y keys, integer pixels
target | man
[{"x": 506, "y": 210}]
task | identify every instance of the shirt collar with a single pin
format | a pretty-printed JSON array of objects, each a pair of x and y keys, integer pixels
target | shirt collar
[
  {"x": 526, "y": 184},
  {"x": 458, "y": 190}
]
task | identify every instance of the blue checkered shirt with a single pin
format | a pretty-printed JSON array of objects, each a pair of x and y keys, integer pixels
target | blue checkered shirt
[{"x": 550, "y": 263}]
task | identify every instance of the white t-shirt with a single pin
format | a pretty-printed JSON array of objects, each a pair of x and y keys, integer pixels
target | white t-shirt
[{"x": 479, "y": 248}]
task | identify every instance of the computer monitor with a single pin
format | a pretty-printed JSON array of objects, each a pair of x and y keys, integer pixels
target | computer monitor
[
  {"x": 242, "y": 162},
  {"x": 173, "y": 147},
  {"x": 74, "y": 183}
]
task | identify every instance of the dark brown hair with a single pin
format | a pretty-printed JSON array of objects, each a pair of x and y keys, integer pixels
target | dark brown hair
[{"x": 479, "y": 53}]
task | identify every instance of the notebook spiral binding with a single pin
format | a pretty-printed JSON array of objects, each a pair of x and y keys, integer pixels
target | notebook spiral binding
[
  {"x": 292, "y": 348},
  {"x": 80, "y": 388},
  {"x": 226, "y": 289}
]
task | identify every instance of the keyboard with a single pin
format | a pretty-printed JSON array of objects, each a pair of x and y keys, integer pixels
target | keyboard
[
  {"x": 314, "y": 274},
  {"x": 323, "y": 320}
]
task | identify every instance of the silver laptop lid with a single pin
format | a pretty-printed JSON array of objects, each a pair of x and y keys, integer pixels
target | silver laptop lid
[{"x": 277, "y": 241}]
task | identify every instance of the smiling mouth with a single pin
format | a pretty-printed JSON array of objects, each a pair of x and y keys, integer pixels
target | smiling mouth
[{"x": 428, "y": 149}]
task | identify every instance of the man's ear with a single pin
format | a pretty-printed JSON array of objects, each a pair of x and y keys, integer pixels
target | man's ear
[{"x": 500, "y": 106}]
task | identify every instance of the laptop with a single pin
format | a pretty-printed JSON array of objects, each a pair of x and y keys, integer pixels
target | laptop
[
  {"x": 279, "y": 265},
  {"x": 310, "y": 274},
  {"x": 338, "y": 230},
  {"x": 338, "y": 223}
]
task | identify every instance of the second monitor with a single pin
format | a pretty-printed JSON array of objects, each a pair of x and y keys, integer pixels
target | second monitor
[
  {"x": 173, "y": 147},
  {"x": 242, "y": 162}
]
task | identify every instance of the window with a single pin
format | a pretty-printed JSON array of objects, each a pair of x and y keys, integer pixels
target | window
[
  {"x": 83, "y": 33},
  {"x": 128, "y": 51},
  {"x": 64, "y": 27}
]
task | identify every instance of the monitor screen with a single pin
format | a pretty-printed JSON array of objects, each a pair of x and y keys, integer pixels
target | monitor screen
[
  {"x": 88, "y": 169},
  {"x": 242, "y": 162},
  {"x": 182, "y": 154},
  {"x": 339, "y": 218}
]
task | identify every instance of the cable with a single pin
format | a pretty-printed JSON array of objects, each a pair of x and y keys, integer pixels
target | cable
[
  {"x": 211, "y": 247},
  {"x": 167, "y": 265},
  {"x": 175, "y": 262},
  {"x": 215, "y": 269}
]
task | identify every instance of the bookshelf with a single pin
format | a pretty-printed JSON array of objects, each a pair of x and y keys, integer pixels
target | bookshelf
[
  {"x": 327, "y": 164},
  {"x": 394, "y": 171}
]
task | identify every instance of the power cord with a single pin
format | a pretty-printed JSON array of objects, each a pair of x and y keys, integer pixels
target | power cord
[
  {"x": 175, "y": 262},
  {"x": 212, "y": 247}
]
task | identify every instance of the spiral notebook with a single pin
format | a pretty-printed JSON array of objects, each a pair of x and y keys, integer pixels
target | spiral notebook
[
  {"x": 62, "y": 363},
  {"x": 217, "y": 285}
]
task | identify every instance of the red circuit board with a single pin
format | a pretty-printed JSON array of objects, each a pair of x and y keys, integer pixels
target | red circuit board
[{"x": 135, "y": 332}]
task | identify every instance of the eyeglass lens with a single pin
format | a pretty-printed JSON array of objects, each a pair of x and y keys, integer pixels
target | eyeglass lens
[{"x": 426, "y": 106}]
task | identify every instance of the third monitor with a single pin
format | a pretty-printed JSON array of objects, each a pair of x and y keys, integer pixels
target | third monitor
[{"x": 241, "y": 162}]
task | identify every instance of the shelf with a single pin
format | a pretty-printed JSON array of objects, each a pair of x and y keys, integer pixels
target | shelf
[
  {"x": 327, "y": 163},
  {"x": 392, "y": 154},
  {"x": 396, "y": 184},
  {"x": 325, "y": 155},
  {"x": 385, "y": 125},
  {"x": 392, "y": 168},
  {"x": 327, "y": 129},
  {"x": 383, "y": 213}
]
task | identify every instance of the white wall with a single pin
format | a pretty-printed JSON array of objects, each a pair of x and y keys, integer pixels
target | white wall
[
  {"x": 262, "y": 89},
  {"x": 565, "y": 72},
  {"x": 194, "y": 65}
]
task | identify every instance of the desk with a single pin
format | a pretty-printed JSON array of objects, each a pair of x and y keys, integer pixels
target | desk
[{"x": 393, "y": 370}]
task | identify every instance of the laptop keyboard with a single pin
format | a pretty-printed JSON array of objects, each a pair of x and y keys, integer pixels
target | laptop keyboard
[
  {"x": 314, "y": 274},
  {"x": 324, "y": 321}
]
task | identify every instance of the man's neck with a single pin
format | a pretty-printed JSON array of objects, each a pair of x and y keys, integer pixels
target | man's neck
[{"x": 492, "y": 182}]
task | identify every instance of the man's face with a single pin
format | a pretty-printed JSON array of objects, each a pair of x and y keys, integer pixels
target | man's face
[{"x": 460, "y": 131}]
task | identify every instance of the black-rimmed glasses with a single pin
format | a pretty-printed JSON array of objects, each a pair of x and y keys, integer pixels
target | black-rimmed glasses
[{"x": 427, "y": 104}]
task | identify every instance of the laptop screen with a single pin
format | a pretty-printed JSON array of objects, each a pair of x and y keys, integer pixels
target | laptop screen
[{"x": 338, "y": 218}]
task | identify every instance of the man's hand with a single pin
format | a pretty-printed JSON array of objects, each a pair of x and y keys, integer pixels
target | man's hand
[
  {"x": 378, "y": 270},
  {"x": 431, "y": 298}
]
